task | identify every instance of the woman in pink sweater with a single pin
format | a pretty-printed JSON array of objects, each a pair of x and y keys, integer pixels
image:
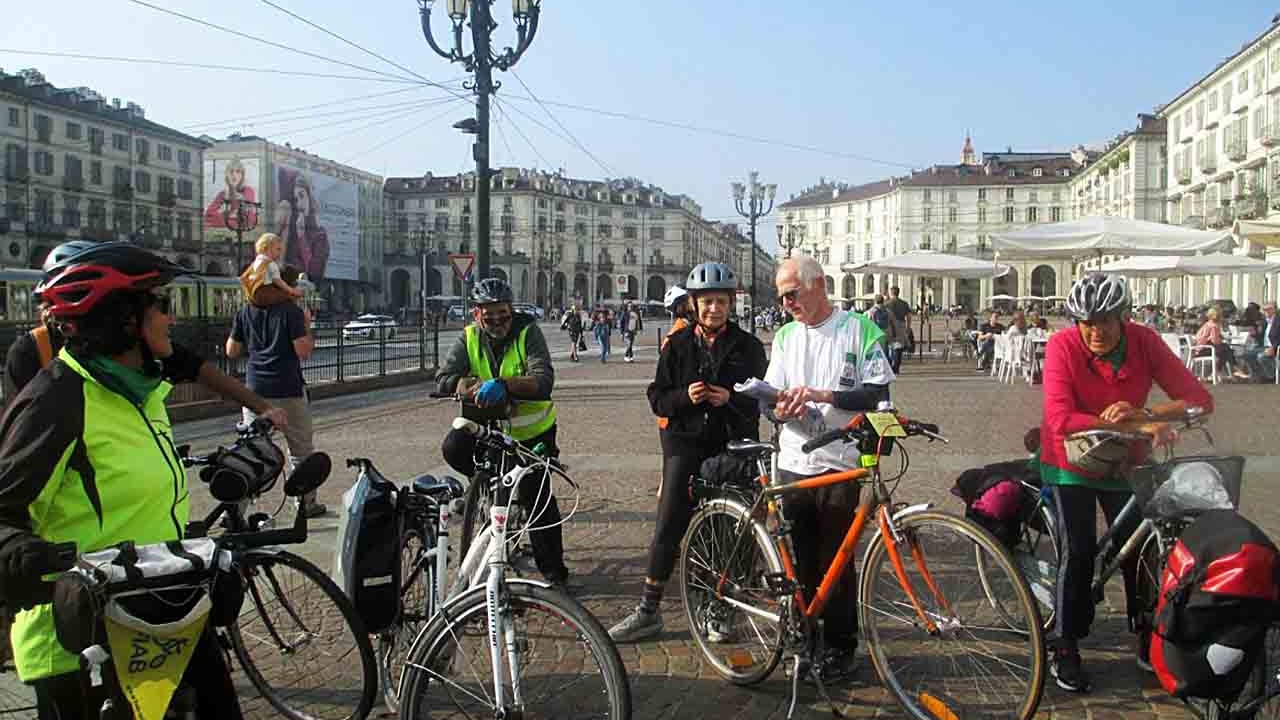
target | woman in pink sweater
[{"x": 1099, "y": 374}]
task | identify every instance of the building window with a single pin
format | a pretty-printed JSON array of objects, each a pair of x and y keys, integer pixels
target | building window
[
  {"x": 826, "y": 228},
  {"x": 442, "y": 203},
  {"x": 165, "y": 153},
  {"x": 1033, "y": 196},
  {"x": 164, "y": 184},
  {"x": 95, "y": 172},
  {"x": 164, "y": 224},
  {"x": 1259, "y": 120},
  {"x": 97, "y": 214},
  {"x": 928, "y": 215},
  {"x": 657, "y": 234},
  {"x": 184, "y": 189},
  {"x": 43, "y": 208},
  {"x": 184, "y": 159},
  {"x": 1242, "y": 82},
  {"x": 542, "y": 223},
  {"x": 1033, "y": 214},
  {"x": 1008, "y": 214},
  {"x": 120, "y": 141},
  {"x": 43, "y": 162},
  {"x": 73, "y": 169},
  {"x": 928, "y": 196},
  {"x": 604, "y": 230},
  {"x": 183, "y": 228},
  {"x": 122, "y": 217},
  {"x": 1008, "y": 194},
  {"x": 442, "y": 223},
  {"x": 951, "y": 214},
  {"x": 15, "y": 117},
  {"x": 926, "y": 242},
  {"x": 73, "y": 130},
  {"x": 44, "y": 129},
  {"x": 1037, "y": 172},
  {"x": 144, "y": 150},
  {"x": 142, "y": 220},
  {"x": 982, "y": 194},
  {"x": 70, "y": 211},
  {"x": 542, "y": 203},
  {"x": 559, "y": 225},
  {"x": 142, "y": 181},
  {"x": 982, "y": 215},
  {"x": 952, "y": 196},
  {"x": 1055, "y": 214},
  {"x": 826, "y": 212}
]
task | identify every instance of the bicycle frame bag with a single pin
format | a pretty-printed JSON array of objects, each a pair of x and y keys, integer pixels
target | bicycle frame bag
[
  {"x": 725, "y": 472},
  {"x": 367, "y": 562},
  {"x": 994, "y": 497},
  {"x": 1218, "y": 596}
]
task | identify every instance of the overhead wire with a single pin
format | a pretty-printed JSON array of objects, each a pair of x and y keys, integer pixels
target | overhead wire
[
  {"x": 393, "y": 138},
  {"x": 206, "y": 66},
  {"x": 383, "y": 121},
  {"x": 327, "y": 103},
  {"x": 520, "y": 132},
  {"x": 607, "y": 170},
  {"x": 270, "y": 43},
  {"x": 355, "y": 45},
  {"x": 332, "y": 113}
]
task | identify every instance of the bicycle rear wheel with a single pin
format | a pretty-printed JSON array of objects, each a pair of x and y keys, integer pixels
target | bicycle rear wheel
[
  {"x": 984, "y": 659},
  {"x": 568, "y": 666},
  {"x": 417, "y": 578},
  {"x": 300, "y": 641},
  {"x": 736, "y": 620}
]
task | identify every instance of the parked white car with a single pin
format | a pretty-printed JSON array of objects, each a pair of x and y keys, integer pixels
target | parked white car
[
  {"x": 370, "y": 326},
  {"x": 530, "y": 309}
]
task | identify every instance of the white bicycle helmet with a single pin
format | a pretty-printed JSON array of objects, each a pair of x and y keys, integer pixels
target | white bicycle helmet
[
  {"x": 711, "y": 276},
  {"x": 1098, "y": 294},
  {"x": 675, "y": 294}
]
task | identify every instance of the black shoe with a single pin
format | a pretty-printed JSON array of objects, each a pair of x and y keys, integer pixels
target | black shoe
[
  {"x": 558, "y": 581},
  {"x": 1144, "y": 651},
  {"x": 314, "y": 509},
  {"x": 838, "y": 665},
  {"x": 1067, "y": 671}
]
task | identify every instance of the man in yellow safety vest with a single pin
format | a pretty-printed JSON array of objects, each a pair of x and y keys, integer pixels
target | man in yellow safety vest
[{"x": 502, "y": 360}]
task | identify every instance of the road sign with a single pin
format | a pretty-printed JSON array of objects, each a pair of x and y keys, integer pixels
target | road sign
[{"x": 463, "y": 264}]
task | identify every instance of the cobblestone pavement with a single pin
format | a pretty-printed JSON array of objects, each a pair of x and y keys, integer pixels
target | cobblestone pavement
[{"x": 608, "y": 437}]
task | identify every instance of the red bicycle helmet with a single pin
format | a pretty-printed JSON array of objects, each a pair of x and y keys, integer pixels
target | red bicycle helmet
[{"x": 76, "y": 285}]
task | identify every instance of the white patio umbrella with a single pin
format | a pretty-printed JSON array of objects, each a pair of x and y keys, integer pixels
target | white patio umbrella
[
  {"x": 1149, "y": 266},
  {"x": 931, "y": 264},
  {"x": 1097, "y": 236},
  {"x": 1004, "y": 298}
]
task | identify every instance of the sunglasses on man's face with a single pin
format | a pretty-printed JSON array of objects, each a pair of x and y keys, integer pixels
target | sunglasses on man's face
[
  {"x": 496, "y": 318},
  {"x": 792, "y": 295}
]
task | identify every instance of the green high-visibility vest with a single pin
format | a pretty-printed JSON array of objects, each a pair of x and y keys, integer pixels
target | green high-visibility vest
[{"x": 529, "y": 418}]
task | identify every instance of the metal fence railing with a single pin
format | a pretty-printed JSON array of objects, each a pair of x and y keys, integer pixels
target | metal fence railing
[{"x": 340, "y": 355}]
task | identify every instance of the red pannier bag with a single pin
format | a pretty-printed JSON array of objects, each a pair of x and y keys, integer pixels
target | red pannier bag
[{"x": 1218, "y": 596}]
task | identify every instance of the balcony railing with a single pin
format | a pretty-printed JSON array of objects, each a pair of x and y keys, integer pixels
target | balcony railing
[
  {"x": 1184, "y": 176},
  {"x": 1237, "y": 149},
  {"x": 1209, "y": 165},
  {"x": 1250, "y": 206},
  {"x": 1220, "y": 217},
  {"x": 1271, "y": 134}
]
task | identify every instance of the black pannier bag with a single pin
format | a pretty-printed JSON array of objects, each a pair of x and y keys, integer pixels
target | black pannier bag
[
  {"x": 368, "y": 553},
  {"x": 1218, "y": 596}
]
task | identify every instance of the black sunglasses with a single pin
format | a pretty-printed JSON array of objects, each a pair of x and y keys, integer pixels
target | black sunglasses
[{"x": 790, "y": 295}]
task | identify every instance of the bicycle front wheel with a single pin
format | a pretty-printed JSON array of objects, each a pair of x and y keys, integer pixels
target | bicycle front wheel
[
  {"x": 938, "y": 643},
  {"x": 567, "y": 666},
  {"x": 735, "y": 618},
  {"x": 300, "y": 641},
  {"x": 417, "y": 578},
  {"x": 1036, "y": 557}
]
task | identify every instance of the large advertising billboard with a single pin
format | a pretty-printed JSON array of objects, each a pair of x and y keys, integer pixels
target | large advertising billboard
[
  {"x": 318, "y": 217},
  {"x": 231, "y": 184}
]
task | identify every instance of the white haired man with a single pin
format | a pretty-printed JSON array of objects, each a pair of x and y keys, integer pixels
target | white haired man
[{"x": 837, "y": 361}]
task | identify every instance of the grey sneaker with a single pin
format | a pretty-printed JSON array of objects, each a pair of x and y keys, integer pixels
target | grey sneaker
[
  {"x": 720, "y": 631},
  {"x": 636, "y": 626}
]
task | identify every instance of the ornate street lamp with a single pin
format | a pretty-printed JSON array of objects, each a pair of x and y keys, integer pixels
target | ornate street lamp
[
  {"x": 752, "y": 202},
  {"x": 481, "y": 61}
]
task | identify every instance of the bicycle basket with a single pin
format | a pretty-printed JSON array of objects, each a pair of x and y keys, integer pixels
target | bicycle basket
[{"x": 1187, "y": 486}]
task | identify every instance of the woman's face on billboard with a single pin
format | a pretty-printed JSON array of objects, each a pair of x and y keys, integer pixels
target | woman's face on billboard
[
  {"x": 300, "y": 198},
  {"x": 236, "y": 176}
]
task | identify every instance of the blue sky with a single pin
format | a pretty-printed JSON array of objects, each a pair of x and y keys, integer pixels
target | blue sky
[{"x": 892, "y": 82}]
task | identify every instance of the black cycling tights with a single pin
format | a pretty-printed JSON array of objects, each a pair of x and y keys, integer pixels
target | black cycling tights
[
  {"x": 1074, "y": 507},
  {"x": 71, "y": 697}
]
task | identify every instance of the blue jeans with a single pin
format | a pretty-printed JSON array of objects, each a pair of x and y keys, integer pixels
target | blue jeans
[{"x": 602, "y": 337}]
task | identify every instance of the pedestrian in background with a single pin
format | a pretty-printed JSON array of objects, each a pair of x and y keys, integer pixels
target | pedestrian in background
[
  {"x": 276, "y": 339},
  {"x": 632, "y": 324},
  {"x": 602, "y": 326},
  {"x": 902, "y": 313}
]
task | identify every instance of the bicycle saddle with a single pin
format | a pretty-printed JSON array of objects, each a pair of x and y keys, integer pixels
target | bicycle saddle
[
  {"x": 430, "y": 486},
  {"x": 748, "y": 448}
]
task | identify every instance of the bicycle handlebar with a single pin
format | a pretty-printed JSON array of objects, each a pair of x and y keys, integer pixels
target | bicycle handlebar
[
  {"x": 259, "y": 427},
  {"x": 1192, "y": 419},
  {"x": 912, "y": 428}
]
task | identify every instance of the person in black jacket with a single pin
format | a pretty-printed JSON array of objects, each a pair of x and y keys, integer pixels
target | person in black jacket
[{"x": 693, "y": 389}]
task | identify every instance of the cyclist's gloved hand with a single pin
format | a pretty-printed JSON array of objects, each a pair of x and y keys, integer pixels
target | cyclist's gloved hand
[
  {"x": 492, "y": 392},
  {"x": 24, "y": 561}
]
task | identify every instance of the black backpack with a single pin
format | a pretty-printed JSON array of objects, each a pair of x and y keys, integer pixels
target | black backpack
[{"x": 1218, "y": 596}]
